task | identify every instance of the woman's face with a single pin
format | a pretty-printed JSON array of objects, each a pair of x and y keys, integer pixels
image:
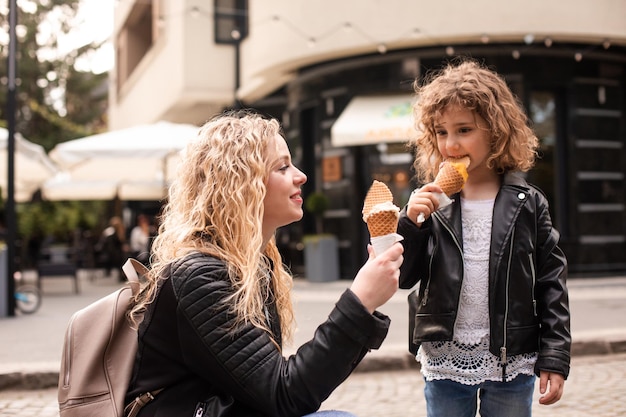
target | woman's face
[{"x": 283, "y": 200}]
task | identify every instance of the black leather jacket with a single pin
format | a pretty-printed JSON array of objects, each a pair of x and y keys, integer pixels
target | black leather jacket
[
  {"x": 528, "y": 300},
  {"x": 187, "y": 345}
]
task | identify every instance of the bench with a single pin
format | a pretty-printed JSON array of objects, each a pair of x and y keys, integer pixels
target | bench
[{"x": 46, "y": 269}]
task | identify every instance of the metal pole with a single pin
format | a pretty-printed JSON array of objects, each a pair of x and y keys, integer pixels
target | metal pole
[{"x": 11, "y": 223}]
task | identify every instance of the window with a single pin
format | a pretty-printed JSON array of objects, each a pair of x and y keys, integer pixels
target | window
[{"x": 135, "y": 39}]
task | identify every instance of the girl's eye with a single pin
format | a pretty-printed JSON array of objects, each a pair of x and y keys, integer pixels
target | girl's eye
[
  {"x": 440, "y": 132},
  {"x": 465, "y": 130}
]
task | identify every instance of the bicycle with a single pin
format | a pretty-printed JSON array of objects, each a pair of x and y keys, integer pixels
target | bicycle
[{"x": 27, "y": 297}]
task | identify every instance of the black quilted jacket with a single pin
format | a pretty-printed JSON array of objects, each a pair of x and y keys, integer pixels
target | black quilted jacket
[{"x": 187, "y": 345}]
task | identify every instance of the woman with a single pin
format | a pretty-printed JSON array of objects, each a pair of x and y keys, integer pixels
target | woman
[{"x": 217, "y": 306}]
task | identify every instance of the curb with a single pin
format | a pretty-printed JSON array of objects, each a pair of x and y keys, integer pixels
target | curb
[{"x": 37, "y": 380}]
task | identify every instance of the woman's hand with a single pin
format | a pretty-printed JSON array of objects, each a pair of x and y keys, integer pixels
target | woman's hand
[
  {"x": 423, "y": 201},
  {"x": 377, "y": 280}
]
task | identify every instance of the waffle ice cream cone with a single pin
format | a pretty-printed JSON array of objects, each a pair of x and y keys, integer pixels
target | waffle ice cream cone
[
  {"x": 381, "y": 216},
  {"x": 383, "y": 221},
  {"x": 452, "y": 175},
  {"x": 377, "y": 194}
]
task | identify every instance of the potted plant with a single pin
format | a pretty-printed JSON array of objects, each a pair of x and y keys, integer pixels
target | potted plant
[{"x": 321, "y": 250}]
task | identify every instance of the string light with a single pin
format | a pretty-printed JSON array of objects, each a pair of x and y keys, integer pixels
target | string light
[
  {"x": 381, "y": 46},
  {"x": 529, "y": 39}
]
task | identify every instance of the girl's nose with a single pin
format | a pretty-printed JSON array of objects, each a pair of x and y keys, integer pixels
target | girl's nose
[{"x": 452, "y": 143}]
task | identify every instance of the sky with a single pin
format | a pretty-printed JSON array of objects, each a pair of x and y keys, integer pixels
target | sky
[{"x": 97, "y": 25}]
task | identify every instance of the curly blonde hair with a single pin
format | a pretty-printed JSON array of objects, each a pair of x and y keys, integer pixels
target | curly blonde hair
[
  {"x": 468, "y": 84},
  {"x": 215, "y": 207}
]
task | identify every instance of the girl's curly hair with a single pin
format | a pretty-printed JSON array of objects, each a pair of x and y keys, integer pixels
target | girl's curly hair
[{"x": 470, "y": 85}]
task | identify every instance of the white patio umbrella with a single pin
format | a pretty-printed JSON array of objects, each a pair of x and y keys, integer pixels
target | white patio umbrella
[
  {"x": 31, "y": 166},
  {"x": 136, "y": 163}
]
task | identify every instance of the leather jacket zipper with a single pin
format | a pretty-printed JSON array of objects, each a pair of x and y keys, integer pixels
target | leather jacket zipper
[
  {"x": 533, "y": 273},
  {"x": 458, "y": 246},
  {"x": 503, "y": 358}
]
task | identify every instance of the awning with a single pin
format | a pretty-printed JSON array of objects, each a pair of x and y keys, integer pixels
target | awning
[{"x": 369, "y": 120}]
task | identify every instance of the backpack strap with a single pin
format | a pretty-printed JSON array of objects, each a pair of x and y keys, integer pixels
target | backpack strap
[
  {"x": 133, "y": 269},
  {"x": 133, "y": 408}
]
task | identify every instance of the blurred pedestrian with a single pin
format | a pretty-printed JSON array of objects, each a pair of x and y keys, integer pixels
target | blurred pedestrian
[
  {"x": 218, "y": 306},
  {"x": 112, "y": 248},
  {"x": 139, "y": 242},
  {"x": 491, "y": 310}
]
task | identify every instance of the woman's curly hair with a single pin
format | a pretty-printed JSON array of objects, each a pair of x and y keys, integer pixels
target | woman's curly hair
[
  {"x": 215, "y": 206},
  {"x": 468, "y": 84}
]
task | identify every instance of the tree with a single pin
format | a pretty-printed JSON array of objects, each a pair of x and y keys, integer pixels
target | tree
[{"x": 55, "y": 102}]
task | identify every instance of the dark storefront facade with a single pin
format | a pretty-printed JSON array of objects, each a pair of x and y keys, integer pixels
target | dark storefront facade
[{"x": 576, "y": 102}]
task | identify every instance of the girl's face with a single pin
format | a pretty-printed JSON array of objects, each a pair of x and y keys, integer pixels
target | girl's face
[
  {"x": 283, "y": 200},
  {"x": 462, "y": 132}
]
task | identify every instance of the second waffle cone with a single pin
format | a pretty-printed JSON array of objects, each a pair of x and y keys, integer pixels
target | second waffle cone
[{"x": 382, "y": 223}]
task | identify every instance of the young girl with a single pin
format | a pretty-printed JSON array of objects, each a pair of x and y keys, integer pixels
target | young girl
[
  {"x": 217, "y": 306},
  {"x": 492, "y": 306}
]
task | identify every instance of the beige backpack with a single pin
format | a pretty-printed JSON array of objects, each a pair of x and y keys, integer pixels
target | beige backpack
[{"x": 98, "y": 355}]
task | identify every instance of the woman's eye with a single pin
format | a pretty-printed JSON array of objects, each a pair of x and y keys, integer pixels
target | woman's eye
[{"x": 284, "y": 168}]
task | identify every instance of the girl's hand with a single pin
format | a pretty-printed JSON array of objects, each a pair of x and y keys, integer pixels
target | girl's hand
[
  {"x": 377, "y": 280},
  {"x": 550, "y": 387},
  {"x": 423, "y": 201}
]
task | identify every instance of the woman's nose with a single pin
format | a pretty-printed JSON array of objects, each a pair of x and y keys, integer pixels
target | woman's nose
[{"x": 301, "y": 177}]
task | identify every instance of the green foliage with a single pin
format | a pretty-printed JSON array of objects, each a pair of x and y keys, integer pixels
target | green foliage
[
  {"x": 59, "y": 219},
  {"x": 316, "y": 203},
  {"x": 40, "y": 118},
  {"x": 41, "y": 70}
]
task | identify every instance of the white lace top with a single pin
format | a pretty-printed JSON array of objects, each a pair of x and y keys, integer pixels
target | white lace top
[{"x": 466, "y": 359}]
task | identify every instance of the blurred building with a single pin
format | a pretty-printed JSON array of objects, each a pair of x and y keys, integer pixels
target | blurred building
[{"x": 339, "y": 75}]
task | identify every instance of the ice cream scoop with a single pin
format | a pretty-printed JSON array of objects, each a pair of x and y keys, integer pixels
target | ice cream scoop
[
  {"x": 381, "y": 216},
  {"x": 452, "y": 175}
]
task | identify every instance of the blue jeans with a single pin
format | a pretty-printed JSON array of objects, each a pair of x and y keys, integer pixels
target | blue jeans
[
  {"x": 445, "y": 398},
  {"x": 330, "y": 413}
]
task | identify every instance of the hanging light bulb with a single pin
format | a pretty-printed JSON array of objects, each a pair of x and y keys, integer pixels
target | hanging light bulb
[
  {"x": 311, "y": 42},
  {"x": 484, "y": 38},
  {"x": 347, "y": 26},
  {"x": 449, "y": 51},
  {"x": 528, "y": 39},
  {"x": 195, "y": 12},
  {"x": 606, "y": 44},
  {"x": 578, "y": 56},
  {"x": 515, "y": 54},
  {"x": 547, "y": 42},
  {"x": 382, "y": 48}
]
